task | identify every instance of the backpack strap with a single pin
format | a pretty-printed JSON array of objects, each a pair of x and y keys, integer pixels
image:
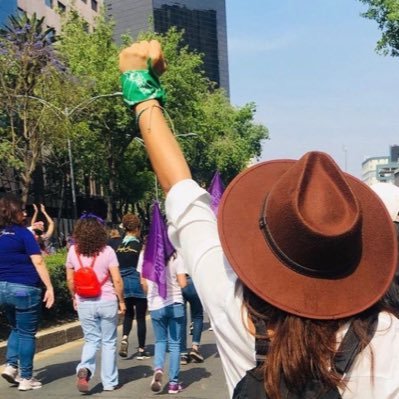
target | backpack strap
[
  {"x": 93, "y": 261},
  {"x": 350, "y": 346},
  {"x": 261, "y": 345}
]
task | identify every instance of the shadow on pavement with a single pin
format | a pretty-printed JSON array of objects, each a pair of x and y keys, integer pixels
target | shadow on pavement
[{"x": 54, "y": 372}]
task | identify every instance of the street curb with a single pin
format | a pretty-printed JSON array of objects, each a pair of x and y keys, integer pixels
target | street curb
[{"x": 50, "y": 338}]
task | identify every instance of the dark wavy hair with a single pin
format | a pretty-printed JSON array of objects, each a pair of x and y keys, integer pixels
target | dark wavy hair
[
  {"x": 10, "y": 211},
  {"x": 90, "y": 236},
  {"x": 301, "y": 349}
]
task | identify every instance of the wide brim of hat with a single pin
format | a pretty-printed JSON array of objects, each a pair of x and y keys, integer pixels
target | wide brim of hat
[{"x": 264, "y": 274}]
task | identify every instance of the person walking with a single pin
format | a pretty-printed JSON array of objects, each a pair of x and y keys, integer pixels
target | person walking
[
  {"x": 167, "y": 321},
  {"x": 114, "y": 238},
  {"x": 197, "y": 321},
  {"x": 22, "y": 274},
  {"x": 128, "y": 252},
  {"x": 297, "y": 271},
  {"x": 99, "y": 314}
]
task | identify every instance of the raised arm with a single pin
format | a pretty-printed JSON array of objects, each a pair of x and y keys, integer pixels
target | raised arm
[
  {"x": 50, "y": 223},
  {"x": 34, "y": 217},
  {"x": 163, "y": 150}
]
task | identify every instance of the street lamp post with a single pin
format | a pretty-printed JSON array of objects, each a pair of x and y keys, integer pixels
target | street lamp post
[{"x": 67, "y": 114}]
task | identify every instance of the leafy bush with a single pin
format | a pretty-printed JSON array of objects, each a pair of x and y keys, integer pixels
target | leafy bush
[{"x": 63, "y": 308}]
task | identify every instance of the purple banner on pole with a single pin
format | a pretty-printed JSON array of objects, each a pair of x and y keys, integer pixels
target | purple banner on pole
[
  {"x": 157, "y": 251},
  {"x": 216, "y": 189}
]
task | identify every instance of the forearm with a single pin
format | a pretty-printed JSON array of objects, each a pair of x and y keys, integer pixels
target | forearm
[
  {"x": 34, "y": 218},
  {"x": 71, "y": 288},
  {"x": 144, "y": 285},
  {"x": 163, "y": 149},
  {"x": 50, "y": 229},
  {"x": 41, "y": 269}
]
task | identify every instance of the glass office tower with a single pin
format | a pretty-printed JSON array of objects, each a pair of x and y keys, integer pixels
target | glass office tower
[
  {"x": 7, "y": 8},
  {"x": 203, "y": 21}
]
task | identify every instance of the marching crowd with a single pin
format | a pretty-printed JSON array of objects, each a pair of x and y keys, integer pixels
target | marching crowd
[{"x": 296, "y": 273}]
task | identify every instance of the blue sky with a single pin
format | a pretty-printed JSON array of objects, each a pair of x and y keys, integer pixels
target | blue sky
[{"x": 311, "y": 68}]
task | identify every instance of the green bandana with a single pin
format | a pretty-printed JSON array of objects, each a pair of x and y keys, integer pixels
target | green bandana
[{"x": 142, "y": 85}]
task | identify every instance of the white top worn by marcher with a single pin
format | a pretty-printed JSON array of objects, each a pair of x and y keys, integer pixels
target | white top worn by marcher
[
  {"x": 193, "y": 232},
  {"x": 174, "y": 294}
]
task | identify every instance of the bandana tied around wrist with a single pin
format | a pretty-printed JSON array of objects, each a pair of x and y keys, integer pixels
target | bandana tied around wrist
[
  {"x": 157, "y": 252},
  {"x": 142, "y": 85}
]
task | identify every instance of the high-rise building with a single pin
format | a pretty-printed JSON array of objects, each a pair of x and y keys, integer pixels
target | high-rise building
[
  {"x": 51, "y": 10},
  {"x": 203, "y": 22},
  {"x": 382, "y": 169}
]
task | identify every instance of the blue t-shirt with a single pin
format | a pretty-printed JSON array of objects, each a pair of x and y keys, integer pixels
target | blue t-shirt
[{"x": 17, "y": 244}]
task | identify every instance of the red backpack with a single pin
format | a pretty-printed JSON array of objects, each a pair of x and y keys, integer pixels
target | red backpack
[{"x": 85, "y": 280}]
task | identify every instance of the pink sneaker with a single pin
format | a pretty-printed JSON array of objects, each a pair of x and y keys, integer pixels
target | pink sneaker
[{"x": 174, "y": 387}]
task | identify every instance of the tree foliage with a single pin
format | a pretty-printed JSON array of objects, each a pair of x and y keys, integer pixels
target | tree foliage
[
  {"x": 214, "y": 134},
  {"x": 386, "y": 14},
  {"x": 27, "y": 61}
]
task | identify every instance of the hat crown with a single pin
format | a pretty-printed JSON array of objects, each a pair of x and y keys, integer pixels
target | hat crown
[{"x": 312, "y": 219}]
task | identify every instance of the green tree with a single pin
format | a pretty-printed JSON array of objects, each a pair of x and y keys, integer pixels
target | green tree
[
  {"x": 106, "y": 130},
  {"x": 27, "y": 60},
  {"x": 226, "y": 137},
  {"x": 386, "y": 14}
]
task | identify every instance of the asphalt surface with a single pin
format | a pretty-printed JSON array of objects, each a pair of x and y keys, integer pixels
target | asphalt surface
[{"x": 55, "y": 368}]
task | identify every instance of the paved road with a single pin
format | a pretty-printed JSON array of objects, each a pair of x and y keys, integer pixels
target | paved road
[{"x": 56, "y": 369}]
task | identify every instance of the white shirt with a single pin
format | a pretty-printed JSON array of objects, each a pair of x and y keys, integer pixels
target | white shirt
[
  {"x": 173, "y": 290},
  {"x": 193, "y": 232}
]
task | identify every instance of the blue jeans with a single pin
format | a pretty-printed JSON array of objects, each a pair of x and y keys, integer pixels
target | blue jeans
[
  {"x": 167, "y": 324},
  {"x": 197, "y": 315},
  {"x": 99, "y": 321},
  {"x": 22, "y": 305}
]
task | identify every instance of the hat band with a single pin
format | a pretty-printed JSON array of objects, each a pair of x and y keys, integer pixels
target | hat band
[{"x": 286, "y": 260}]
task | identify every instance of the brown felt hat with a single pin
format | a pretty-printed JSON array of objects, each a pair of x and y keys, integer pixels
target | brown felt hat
[{"x": 308, "y": 238}]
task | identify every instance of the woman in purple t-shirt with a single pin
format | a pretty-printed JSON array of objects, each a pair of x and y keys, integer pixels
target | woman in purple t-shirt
[{"x": 99, "y": 315}]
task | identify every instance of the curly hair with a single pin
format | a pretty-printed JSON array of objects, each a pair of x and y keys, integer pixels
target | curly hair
[
  {"x": 11, "y": 211},
  {"x": 131, "y": 222},
  {"x": 90, "y": 236}
]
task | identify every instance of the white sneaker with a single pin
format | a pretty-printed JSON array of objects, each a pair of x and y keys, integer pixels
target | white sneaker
[
  {"x": 10, "y": 373},
  {"x": 27, "y": 385},
  {"x": 156, "y": 382}
]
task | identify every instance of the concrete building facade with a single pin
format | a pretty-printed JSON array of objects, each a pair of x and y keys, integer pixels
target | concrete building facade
[
  {"x": 51, "y": 9},
  {"x": 381, "y": 169}
]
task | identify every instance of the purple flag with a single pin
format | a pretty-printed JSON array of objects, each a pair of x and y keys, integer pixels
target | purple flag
[
  {"x": 216, "y": 189},
  {"x": 157, "y": 251}
]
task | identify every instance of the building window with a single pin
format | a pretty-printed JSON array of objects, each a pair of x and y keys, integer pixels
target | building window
[
  {"x": 61, "y": 6},
  {"x": 49, "y": 3},
  {"x": 94, "y": 5}
]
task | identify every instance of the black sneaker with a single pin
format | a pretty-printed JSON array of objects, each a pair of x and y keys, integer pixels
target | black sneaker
[
  {"x": 184, "y": 359},
  {"x": 142, "y": 354},
  {"x": 196, "y": 356}
]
